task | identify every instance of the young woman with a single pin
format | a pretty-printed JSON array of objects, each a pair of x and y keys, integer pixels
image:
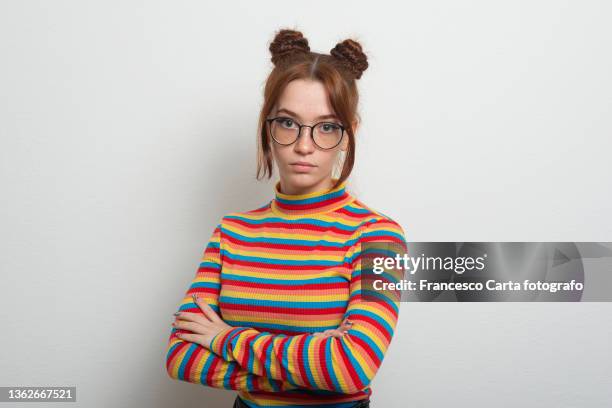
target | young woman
[{"x": 276, "y": 309}]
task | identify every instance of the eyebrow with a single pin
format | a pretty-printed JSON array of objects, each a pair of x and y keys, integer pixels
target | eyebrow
[{"x": 328, "y": 116}]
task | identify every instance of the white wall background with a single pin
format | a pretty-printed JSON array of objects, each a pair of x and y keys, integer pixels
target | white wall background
[{"x": 127, "y": 129}]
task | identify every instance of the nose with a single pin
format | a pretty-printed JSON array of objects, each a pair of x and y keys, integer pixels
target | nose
[{"x": 305, "y": 144}]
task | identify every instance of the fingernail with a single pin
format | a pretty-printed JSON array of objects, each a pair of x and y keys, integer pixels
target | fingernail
[{"x": 194, "y": 297}]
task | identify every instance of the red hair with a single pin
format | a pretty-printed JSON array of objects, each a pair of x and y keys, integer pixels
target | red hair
[{"x": 337, "y": 71}]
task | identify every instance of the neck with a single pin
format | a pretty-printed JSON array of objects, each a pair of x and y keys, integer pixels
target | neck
[{"x": 316, "y": 202}]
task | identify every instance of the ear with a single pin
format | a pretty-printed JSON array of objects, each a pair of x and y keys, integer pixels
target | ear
[
  {"x": 345, "y": 141},
  {"x": 355, "y": 126}
]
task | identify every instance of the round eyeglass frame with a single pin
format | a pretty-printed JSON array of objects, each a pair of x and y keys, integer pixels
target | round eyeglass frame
[{"x": 300, "y": 126}]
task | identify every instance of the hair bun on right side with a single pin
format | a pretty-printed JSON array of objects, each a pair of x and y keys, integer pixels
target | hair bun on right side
[
  {"x": 350, "y": 54},
  {"x": 286, "y": 43}
]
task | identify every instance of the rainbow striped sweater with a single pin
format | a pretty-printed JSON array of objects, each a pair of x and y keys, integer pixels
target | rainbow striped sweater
[{"x": 278, "y": 274}]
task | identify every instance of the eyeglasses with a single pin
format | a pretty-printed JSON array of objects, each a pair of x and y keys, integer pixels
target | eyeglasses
[{"x": 285, "y": 131}]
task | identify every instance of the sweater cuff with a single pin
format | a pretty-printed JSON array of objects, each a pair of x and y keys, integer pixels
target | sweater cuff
[{"x": 221, "y": 342}]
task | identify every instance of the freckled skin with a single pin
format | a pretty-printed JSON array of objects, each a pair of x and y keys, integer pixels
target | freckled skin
[{"x": 309, "y": 100}]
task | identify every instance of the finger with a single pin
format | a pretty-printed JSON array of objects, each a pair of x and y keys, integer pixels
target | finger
[
  {"x": 210, "y": 312},
  {"x": 333, "y": 333},
  {"x": 192, "y": 317},
  {"x": 337, "y": 333},
  {"x": 343, "y": 329},
  {"x": 205, "y": 308},
  {"x": 191, "y": 326},
  {"x": 193, "y": 338},
  {"x": 346, "y": 325}
]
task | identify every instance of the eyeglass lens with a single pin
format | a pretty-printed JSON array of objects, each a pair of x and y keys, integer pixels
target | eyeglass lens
[{"x": 325, "y": 134}]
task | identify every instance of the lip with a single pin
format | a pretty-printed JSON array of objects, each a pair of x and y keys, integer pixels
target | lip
[
  {"x": 302, "y": 163},
  {"x": 302, "y": 167}
]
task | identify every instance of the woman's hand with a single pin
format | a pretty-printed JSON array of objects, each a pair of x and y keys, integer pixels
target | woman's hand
[
  {"x": 339, "y": 332},
  {"x": 202, "y": 327}
]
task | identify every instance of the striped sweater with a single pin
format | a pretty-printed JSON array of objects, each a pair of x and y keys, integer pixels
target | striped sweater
[{"x": 278, "y": 274}]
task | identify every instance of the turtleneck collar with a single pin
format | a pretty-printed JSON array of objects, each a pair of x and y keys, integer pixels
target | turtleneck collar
[{"x": 317, "y": 202}]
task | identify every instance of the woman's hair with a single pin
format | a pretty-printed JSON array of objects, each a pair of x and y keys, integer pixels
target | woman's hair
[{"x": 337, "y": 71}]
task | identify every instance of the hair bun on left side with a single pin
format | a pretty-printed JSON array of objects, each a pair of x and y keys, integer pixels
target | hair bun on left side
[{"x": 287, "y": 42}]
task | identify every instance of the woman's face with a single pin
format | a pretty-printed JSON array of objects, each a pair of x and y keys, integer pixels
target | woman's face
[{"x": 305, "y": 102}]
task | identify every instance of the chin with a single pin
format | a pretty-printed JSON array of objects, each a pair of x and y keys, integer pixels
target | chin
[{"x": 302, "y": 179}]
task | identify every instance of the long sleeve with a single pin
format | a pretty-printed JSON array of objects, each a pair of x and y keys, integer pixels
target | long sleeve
[
  {"x": 347, "y": 364},
  {"x": 193, "y": 363}
]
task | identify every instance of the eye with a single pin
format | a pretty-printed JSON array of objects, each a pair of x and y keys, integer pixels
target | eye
[
  {"x": 329, "y": 127},
  {"x": 287, "y": 123}
]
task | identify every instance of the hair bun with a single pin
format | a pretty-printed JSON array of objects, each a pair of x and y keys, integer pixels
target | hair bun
[
  {"x": 350, "y": 54},
  {"x": 286, "y": 43}
]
